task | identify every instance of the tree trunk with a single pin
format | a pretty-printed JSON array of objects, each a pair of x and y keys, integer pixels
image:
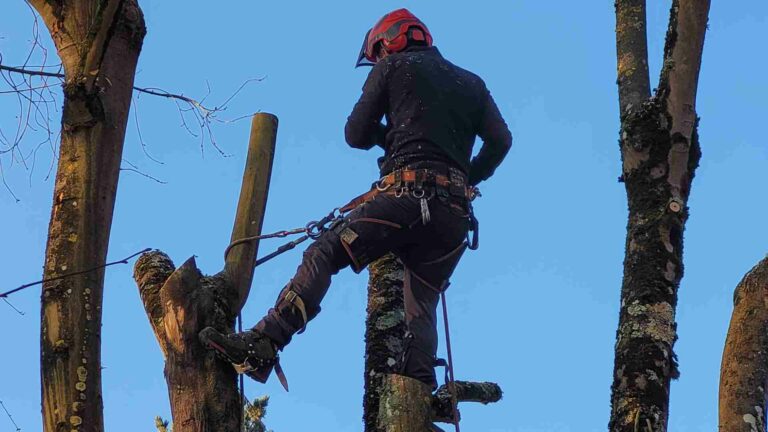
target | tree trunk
[
  {"x": 384, "y": 330},
  {"x": 660, "y": 152},
  {"x": 404, "y": 405},
  {"x": 99, "y": 45},
  {"x": 744, "y": 371},
  {"x": 180, "y": 302},
  {"x": 386, "y": 405}
]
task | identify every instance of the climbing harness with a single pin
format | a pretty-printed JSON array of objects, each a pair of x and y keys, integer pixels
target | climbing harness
[
  {"x": 398, "y": 183},
  {"x": 417, "y": 183}
]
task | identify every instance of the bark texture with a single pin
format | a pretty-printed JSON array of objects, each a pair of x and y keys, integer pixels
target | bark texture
[
  {"x": 384, "y": 330},
  {"x": 660, "y": 152},
  {"x": 180, "y": 302},
  {"x": 99, "y": 45},
  {"x": 744, "y": 370},
  {"x": 404, "y": 405},
  {"x": 632, "y": 53},
  {"x": 466, "y": 391}
]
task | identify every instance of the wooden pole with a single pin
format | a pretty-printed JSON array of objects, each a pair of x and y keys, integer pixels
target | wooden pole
[{"x": 250, "y": 207}]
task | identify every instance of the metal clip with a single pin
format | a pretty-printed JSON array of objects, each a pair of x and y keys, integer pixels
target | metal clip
[
  {"x": 381, "y": 188},
  {"x": 243, "y": 367}
]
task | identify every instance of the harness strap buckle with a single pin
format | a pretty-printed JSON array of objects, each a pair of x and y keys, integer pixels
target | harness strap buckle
[
  {"x": 296, "y": 301},
  {"x": 398, "y": 178}
]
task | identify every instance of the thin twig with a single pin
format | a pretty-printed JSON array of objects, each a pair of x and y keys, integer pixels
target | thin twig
[
  {"x": 10, "y": 417},
  {"x": 30, "y": 72},
  {"x": 13, "y": 307},
  {"x": 138, "y": 131},
  {"x": 5, "y": 183},
  {"x": 42, "y": 281},
  {"x": 203, "y": 114},
  {"x": 148, "y": 90},
  {"x": 134, "y": 168}
]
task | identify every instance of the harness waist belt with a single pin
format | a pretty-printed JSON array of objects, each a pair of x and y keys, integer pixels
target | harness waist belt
[
  {"x": 422, "y": 176},
  {"x": 454, "y": 185}
]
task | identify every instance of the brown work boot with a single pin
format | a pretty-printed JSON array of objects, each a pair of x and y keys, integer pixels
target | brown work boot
[{"x": 250, "y": 352}]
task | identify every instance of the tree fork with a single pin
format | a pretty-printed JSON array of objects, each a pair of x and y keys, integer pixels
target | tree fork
[
  {"x": 744, "y": 369},
  {"x": 97, "y": 96},
  {"x": 660, "y": 153},
  {"x": 181, "y": 302}
]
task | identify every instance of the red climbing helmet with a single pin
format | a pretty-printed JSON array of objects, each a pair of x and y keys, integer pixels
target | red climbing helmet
[{"x": 393, "y": 31}]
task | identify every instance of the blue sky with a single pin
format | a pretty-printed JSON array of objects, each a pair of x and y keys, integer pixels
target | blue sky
[{"x": 534, "y": 309}]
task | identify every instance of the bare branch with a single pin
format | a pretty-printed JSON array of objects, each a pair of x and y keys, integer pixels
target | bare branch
[
  {"x": 75, "y": 273},
  {"x": 632, "y": 53},
  {"x": 135, "y": 169},
  {"x": 205, "y": 111},
  {"x": 21, "y": 70},
  {"x": 682, "y": 62},
  {"x": 678, "y": 84},
  {"x": 36, "y": 102},
  {"x": 466, "y": 391},
  {"x": 5, "y": 183},
  {"x": 138, "y": 131}
]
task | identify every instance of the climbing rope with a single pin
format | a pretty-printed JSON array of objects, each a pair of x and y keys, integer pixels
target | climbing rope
[
  {"x": 241, "y": 382},
  {"x": 451, "y": 380}
]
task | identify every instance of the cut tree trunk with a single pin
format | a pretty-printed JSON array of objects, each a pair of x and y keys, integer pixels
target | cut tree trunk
[
  {"x": 384, "y": 330},
  {"x": 180, "y": 302},
  {"x": 99, "y": 45},
  {"x": 744, "y": 370},
  {"x": 660, "y": 152},
  {"x": 394, "y": 403}
]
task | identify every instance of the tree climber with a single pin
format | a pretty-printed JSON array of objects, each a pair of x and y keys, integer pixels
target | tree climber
[{"x": 419, "y": 209}]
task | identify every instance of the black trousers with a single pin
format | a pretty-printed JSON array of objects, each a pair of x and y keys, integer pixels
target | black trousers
[{"x": 429, "y": 251}]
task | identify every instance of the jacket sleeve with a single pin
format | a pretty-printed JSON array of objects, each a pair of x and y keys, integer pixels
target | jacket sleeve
[
  {"x": 364, "y": 128},
  {"x": 497, "y": 140}
]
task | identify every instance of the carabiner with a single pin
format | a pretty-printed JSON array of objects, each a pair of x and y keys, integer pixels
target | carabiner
[
  {"x": 314, "y": 229},
  {"x": 380, "y": 188}
]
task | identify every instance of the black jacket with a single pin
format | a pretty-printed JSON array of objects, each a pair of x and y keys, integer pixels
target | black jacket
[{"x": 434, "y": 109}]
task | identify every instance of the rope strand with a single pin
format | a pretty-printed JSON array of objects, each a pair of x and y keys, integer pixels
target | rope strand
[{"x": 452, "y": 383}]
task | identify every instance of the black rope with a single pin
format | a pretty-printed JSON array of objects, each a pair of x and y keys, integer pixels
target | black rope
[
  {"x": 312, "y": 230},
  {"x": 42, "y": 281},
  {"x": 278, "y": 234}
]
